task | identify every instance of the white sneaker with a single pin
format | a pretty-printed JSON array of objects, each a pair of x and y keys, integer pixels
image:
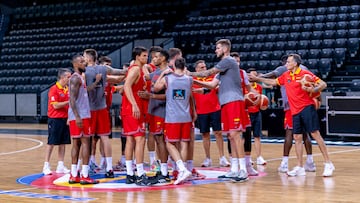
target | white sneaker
[
  {"x": 283, "y": 168},
  {"x": 47, "y": 171},
  {"x": 207, "y": 163},
  {"x": 242, "y": 177},
  {"x": 62, "y": 169},
  {"x": 310, "y": 166},
  {"x": 224, "y": 162},
  {"x": 183, "y": 175},
  {"x": 297, "y": 171},
  {"x": 250, "y": 170},
  {"x": 228, "y": 175},
  {"x": 260, "y": 161},
  {"x": 329, "y": 168}
]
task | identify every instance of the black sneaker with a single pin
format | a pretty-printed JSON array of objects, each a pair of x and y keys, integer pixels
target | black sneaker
[
  {"x": 130, "y": 179},
  {"x": 109, "y": 174},
  {"x": 163, "y": 179},
  {"x": 145, "y": 181}
]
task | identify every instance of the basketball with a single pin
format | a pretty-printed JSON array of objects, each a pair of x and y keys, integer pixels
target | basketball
[
  {"x": 251, "y": 99},
  {"x": 264, "y": 102},
  {"x": 307, "y": 80}
]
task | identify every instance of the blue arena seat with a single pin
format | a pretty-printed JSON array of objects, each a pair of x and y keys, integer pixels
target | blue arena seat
[
  {"x": 326, "y": 53},
  {"x": 314, "y": 53},
  {"x": 341, "y": 33},
  {"x": 317, "y": 35},
  {"x": 340, "y": 43},
  {"x": 354, "y": 24},
  {"x": 331, "y": 10},
  {"x": 298, "y": 19},
  {"x": 318, "y": 26},
  {"x": 343, "y": 9},
  {"x": 294, "y": 36},
  {"x": 295, "y": 28},
  {"x": 303, "y": 44},
  {"x": 341, "y": 25},
  {"x": 328, "y": 43},
  {"x": 291, "y": 45},
  {"x": 353, "y": 33},
  {"x": 303, "y": 53},
  {"x": 305, "y": 36},
  {"x": 330, "y": 25},
  {"x": 339, "y": 56},
  {"x": 331, "y": 18}
]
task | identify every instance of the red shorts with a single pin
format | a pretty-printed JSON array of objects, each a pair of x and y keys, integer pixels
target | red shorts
[
  {"x": 175, "y": 132},
  {"x": 247, "y": 122},
  {"x": 100, "y": 122},
  {"x": 233, "y": 116},
  {"x": 288, "y": 122},
  {"x": 133, "y": 127},
  {"x": 156, "y": 126},
  {"x": 76, "y": 132}
]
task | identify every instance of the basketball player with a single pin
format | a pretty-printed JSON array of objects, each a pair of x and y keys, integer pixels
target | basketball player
[
  {"x": 133, "y": 119},
  {"x": 178, "y": 119},
  {"x": 80, "y": 121},
  {"x": 232, "y": 105},
  {"x": 288, "y": 123},
  {"x": 58, "y": 105},
  {"x": 302, "y": 107}
]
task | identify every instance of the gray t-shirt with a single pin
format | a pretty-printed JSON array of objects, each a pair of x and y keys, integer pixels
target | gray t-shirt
[
  {"x": 230, "y": 82},
  {"x": 97, "y": 97},
  {"x": 156, "y": 106},
  {"x": 178, "y": 93},
  {"x": 279, "y": 71},
  {"x": 82, "y": 102}
]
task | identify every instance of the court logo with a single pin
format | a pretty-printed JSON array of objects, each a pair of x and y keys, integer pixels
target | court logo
[{"x": 118, "y": 183}]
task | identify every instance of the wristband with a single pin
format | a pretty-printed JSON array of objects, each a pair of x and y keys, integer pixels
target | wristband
[{"x": 316, "y": 89}]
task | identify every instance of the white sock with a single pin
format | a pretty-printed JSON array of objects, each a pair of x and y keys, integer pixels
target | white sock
[
  {"x": 92, "y": 159},
  {"x": 247, "y": 159},
  {"x": 102, "y": 162},
  {"x": 190, "y": 165},
  {"x": 164, "y": 169},
  {"x": 234, "y": 165},
  {"x": 74, "y": 170},
  {"x": 309, "y": 158},
  {"x": 181, "y": 165},
  {"x": 285, "y": 159},
  {"x": 242, "y": 164},
  {"x": 109, "y": 163},
  {"x": 140, "y": 169},
  {"x": 129, "y": 169},
  {"x": 78, "y": 165},
  {"x": 85, "y": 171},
  {"x": 61, "y": 163},
  {"x": 152, "y": 157},
  {"x": 123, "y": 159},
  {"x": 46, "y": 164}
]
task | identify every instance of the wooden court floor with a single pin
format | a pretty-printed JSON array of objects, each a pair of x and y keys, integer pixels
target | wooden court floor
[{"x": 23, "y": 154}]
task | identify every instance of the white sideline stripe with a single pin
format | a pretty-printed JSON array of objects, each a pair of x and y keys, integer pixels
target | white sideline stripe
[
  {"x": 22, "y": 189},
  {"x": 40, "y": 143},
  {"x": 318, "y": 154}
]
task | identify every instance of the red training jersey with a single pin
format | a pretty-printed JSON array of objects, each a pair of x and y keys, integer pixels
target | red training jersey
[
  {"x": 298, "y": 98},
  {"x": 57, "y": 93},
  {"x": 258, "y": 88},
  {"x": 206, "y": 103},
  {"x": 140, "y": 85}
]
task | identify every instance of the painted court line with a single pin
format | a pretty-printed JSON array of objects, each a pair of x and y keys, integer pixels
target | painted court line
[{"x": 40, "y": 143}]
